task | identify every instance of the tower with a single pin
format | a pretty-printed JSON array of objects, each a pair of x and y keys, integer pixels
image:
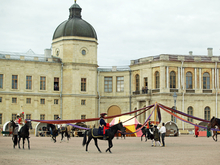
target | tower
[{"x": 75, "y": 43}]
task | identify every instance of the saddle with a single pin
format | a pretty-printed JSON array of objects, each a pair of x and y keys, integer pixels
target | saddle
[
  {"x": 63, "y": 128},
  {"x": 96, "y": 134}
]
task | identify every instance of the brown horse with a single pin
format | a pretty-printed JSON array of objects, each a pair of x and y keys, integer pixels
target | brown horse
[{"x": 212, "y": 124}]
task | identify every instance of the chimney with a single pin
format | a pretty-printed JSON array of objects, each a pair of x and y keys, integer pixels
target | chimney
[
  {"x": 210, "y": 53},
  {"x": 190, "y": 53},
  {"x": 47, "y": 53}
]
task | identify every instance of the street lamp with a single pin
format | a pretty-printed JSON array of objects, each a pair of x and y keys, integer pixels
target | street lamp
[{"x": 174, "y": 98}]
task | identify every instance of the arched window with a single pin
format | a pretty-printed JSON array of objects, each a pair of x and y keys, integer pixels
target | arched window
[
  {"x": 206, "y": 81},
  {"x": 157, "y": 80},
  {"x": 188, "y": 80},
  {"x": 137, "y": 82},
  {"x": 207, "y": 113},
  {"x": 190, "y": 112},
  {"x": 172, "y": 79}
]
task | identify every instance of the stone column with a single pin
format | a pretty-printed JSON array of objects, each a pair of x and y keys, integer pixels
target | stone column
[
  {"x": 162, "y": 78},
  {"x": 179, "y": 80},
  {"x": 217, "y": 78},
  {"x": 213, "y": 78},
  {"x": 200, "y": 78},
  {"x": 195, "y": 77},
  {"x": 183, "y": 78},
  {"x": 167, "y": 77}
]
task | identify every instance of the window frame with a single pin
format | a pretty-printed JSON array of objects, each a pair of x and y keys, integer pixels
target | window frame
[
  {"x": 190, "y": 112},
  {"x": 29, "y": 83},
  {"x": 13, "y": 116},
  {"x": 43, "y": 82},
  {"x": 83, "y": 102},
  {"x": 1, "y": 81},
  {"x": 42, "y": 116},
  {"x": 14, "y": 82},
  {"x": 189, "y": 79},
  {"x": 56, "y": 101},
  {"x": 83, "y": 84},
  {"x": 83, "y": 116},
  {"x": 137, "y": 82},
  {"x": 42, "y": 101},
  {"x": 119, "y": 84},
  {"x": 28, "y": 116},
  {"x": 207, "y": 113},
  {"x": 172, "y": 79},
  {"x": 157, "y": 80},
  {"x": 28, "y": 100},
  {"x": 14, "y": 100},
  {"x": 56, "y": 83},
  {"x": 108, "y": 86},
  {"x": 206, "y": 80}
]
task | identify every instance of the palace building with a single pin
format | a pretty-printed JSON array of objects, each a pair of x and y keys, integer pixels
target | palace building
[{"x": 67, "y": 81}]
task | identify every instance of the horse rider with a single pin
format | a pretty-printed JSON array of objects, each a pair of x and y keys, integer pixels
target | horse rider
[
  {"x": 58, "y": 125},
  {"x": 102, "y": 124},
  {"x": 20, "y": 121}
]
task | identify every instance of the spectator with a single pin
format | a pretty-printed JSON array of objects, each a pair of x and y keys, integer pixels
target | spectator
[{"x": 163, "y": 133}]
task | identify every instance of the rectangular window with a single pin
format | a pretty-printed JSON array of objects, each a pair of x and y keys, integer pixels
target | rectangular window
[
  {"x": 108, "y": 84},
  {"x": 0, "y": 118},
  {"x": 42, "y": 116},
  {"x": 42, "y": 101},
  {"x": 83, "y": 116},
  {"x": 120, "y": 84},
  {"x": 14, "y": 82},
  {"x": 13, "y": 117},
  {"x": 28, "y": 101},
  {"x": 56, "y": 84},
  {"x": 0, "y": 99},
  {"x": 55, "y": 117},
  {"x": 145, "y": 82},
  {"x": 83, "y": 102},
  {"x": 14, "y": 100},
  {"x": 83, "y": 84},
  {"x": 42, "y": 83},
  {"x": 28, "y": 82},
  {"x": 1, "y": 81},
  {"x": 28, "y": 116},
  {"x": 55, "y": 101}
]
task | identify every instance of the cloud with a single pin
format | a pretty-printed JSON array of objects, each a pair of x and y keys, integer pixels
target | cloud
[{"x": 126, "y": 30}]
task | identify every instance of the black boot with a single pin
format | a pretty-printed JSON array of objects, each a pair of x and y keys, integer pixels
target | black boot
[{"x": 104, "y": 137}]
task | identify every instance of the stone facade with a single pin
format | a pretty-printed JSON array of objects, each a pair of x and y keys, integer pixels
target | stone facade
[{"x": 83, "y": 90}]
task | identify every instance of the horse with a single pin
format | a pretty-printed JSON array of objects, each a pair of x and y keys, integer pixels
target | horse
[
  {"x": 65, "y": 129},
  {"x": 122, "y": 134},
  {"x": 110, "y": 133},
  {"x": 24, "y": 133},
  {"x": 14, "y": 132},
  {"x": 212, "y": 124},
  {"x": 53, "y": 131},
  {"x": 145, "y": 132}
]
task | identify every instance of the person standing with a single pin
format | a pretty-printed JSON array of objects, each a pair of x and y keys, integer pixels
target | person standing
[
  {"x": 156, "y": 136},
  {"x": 196, "y": 130},
  {"x": 163, "y": 133}
]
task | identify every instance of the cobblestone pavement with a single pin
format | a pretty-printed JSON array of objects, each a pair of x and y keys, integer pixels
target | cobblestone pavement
[{"x": 185, "y": 149}]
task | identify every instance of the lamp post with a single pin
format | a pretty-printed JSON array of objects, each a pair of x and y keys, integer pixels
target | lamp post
[{"x": 174, "y": 98}]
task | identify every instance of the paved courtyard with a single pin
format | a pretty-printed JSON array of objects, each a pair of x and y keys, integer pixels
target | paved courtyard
[{"x": 185, "y": 149}]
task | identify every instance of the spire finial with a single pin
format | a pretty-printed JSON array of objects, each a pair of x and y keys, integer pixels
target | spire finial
[{"x": 75, "y": 1}]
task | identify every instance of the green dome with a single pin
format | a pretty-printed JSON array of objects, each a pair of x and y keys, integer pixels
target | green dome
[{"x": 75, "y": 25}]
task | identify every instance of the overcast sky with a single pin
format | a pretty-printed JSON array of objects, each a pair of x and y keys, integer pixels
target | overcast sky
[{"x": 126, "y": 29}]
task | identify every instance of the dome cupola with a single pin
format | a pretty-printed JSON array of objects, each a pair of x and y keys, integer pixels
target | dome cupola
[{"x": 75, "y": 25}]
